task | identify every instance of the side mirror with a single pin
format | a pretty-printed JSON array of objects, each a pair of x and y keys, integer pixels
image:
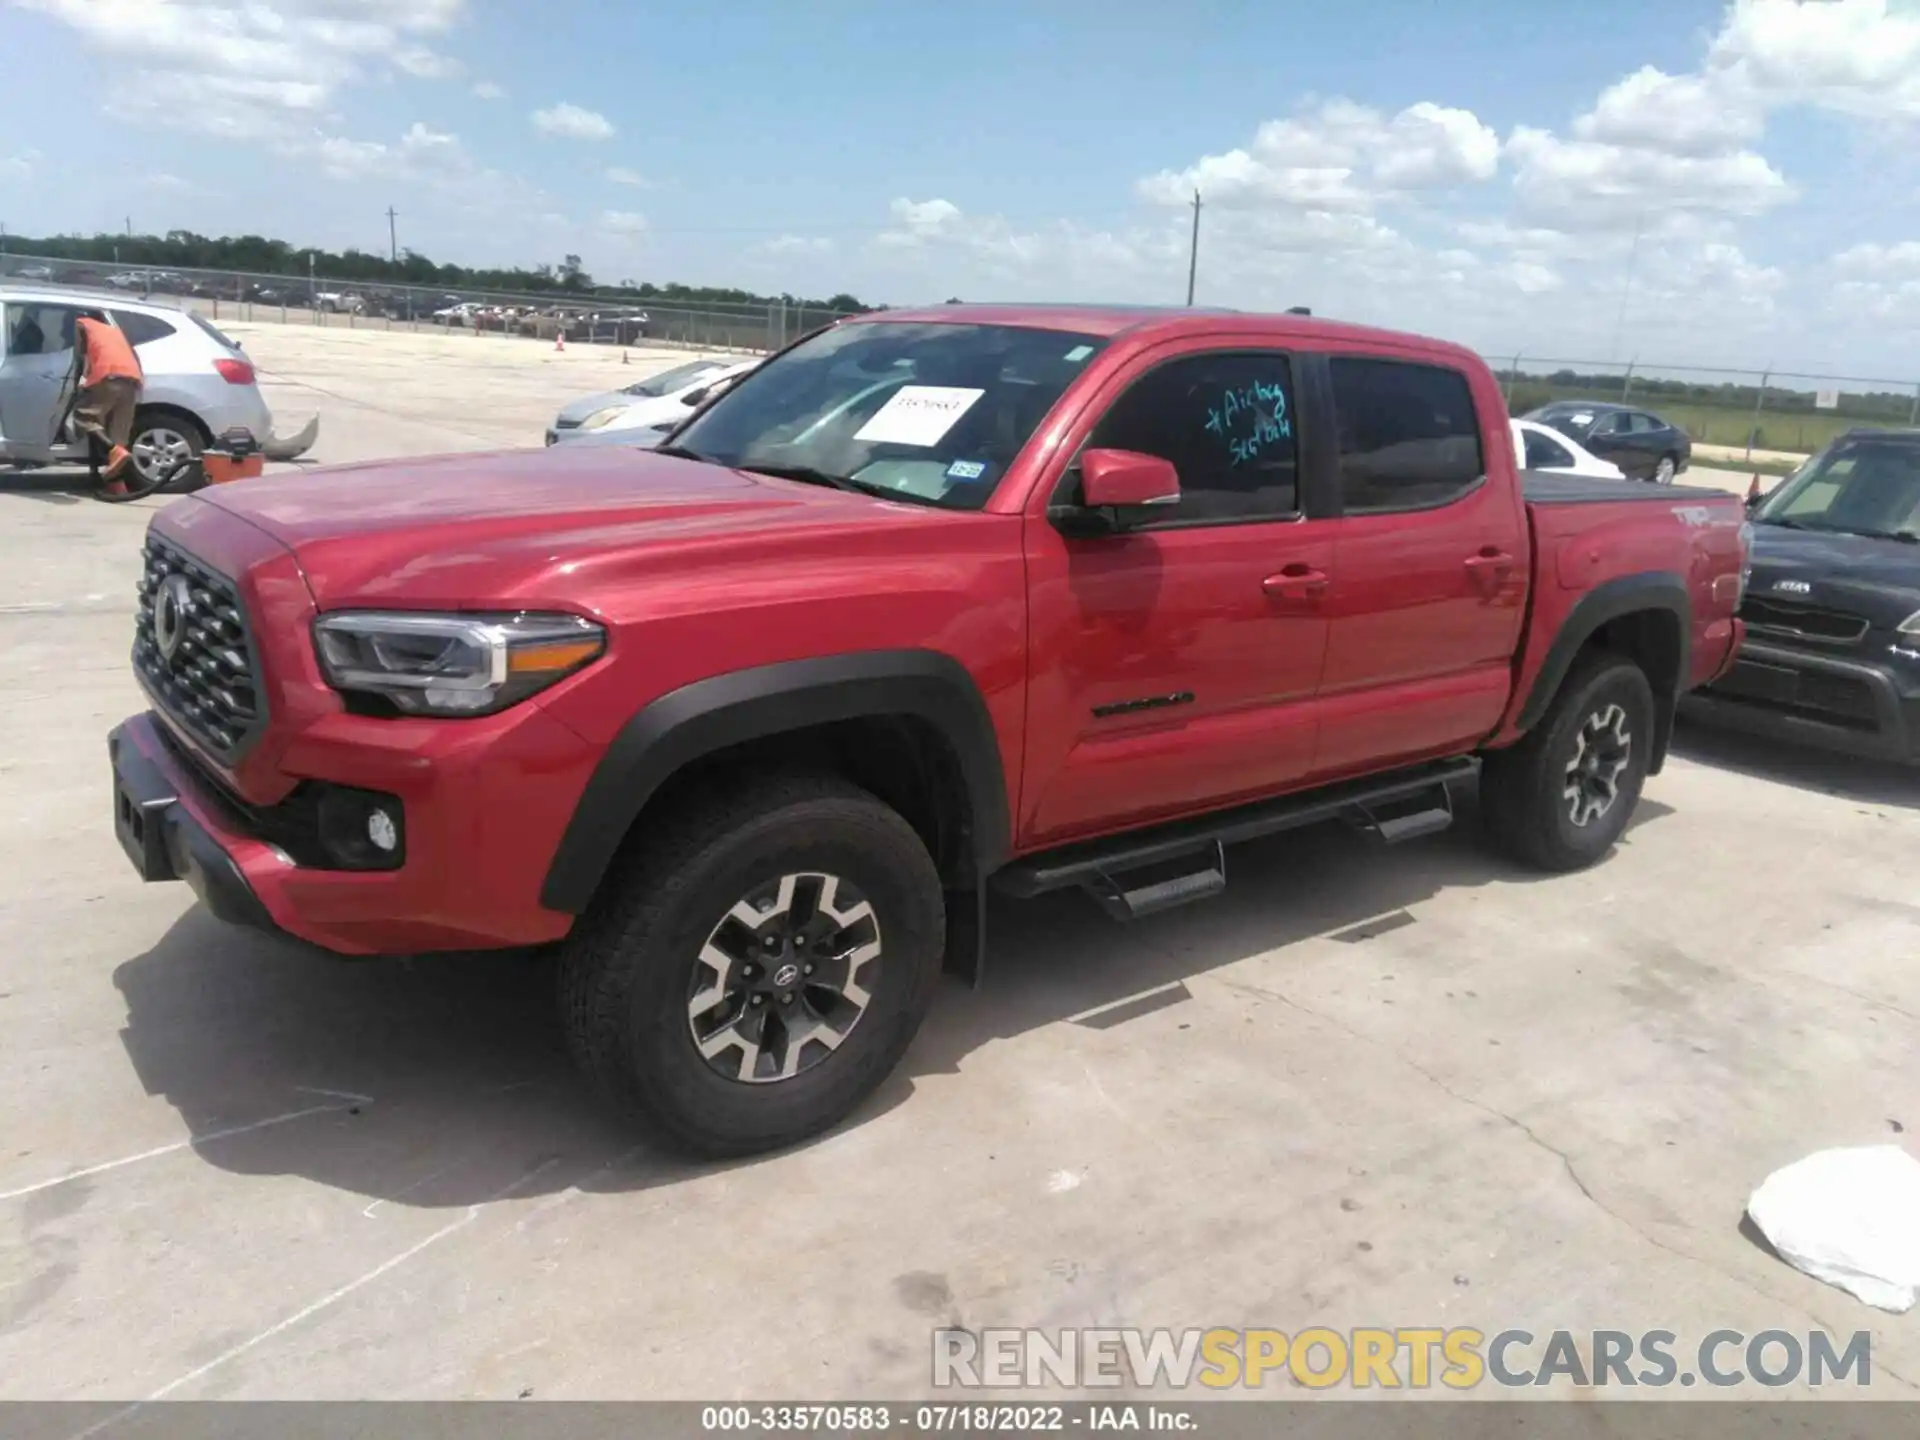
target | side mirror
[
  {"x": 1121, "y": 478},
  {"x": 694, "y": 397}
]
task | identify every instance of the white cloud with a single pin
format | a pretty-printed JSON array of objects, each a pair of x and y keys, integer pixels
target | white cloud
[
  {"x": 623, "y": 222},
  {"x": 1339, "y": 156},
  {"x": 488, "y": 90},
  {"x": 1590, "y": 185},
  {"x": 249, "y": 69},
  {"x": 620, "y": 175},
  {"x": 425, "y": 64},
  {"x": 161, "y": 180},
  {"x": 797, "y": 245},
  {"x": 420, "y": 152},
  {"x": 1880, "y": 262},
  {"x": 1678, "y": 114},
  {"x": 571, "y": 122},
  {"x": 1861, "y": 57},
  {"x": 20, "y": 166}
]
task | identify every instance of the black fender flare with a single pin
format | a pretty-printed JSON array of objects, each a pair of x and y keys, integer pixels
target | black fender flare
[
  {"x": 1654, "y": 590},
  {"x": 709, "y": 715}
]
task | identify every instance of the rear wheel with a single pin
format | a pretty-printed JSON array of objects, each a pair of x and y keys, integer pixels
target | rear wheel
[
  {"x": 1664, "y": 472},
  {"x": 754, "y": 969},
  {"x": 1560, "y": 798},
  {"x": 166, "y": 451}
]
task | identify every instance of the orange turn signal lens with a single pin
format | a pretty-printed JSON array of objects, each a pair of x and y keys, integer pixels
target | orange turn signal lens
[{"x": 552, "y": 657}]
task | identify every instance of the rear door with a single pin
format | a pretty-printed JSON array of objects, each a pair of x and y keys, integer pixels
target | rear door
[
  {"x": 35, "y": 377},
  {"x": 1429, "y": 572},
  {"x": 1172, "y": 667}
]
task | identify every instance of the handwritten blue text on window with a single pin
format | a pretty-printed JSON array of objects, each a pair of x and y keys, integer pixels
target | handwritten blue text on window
[{"x": 1249, "y": 418}]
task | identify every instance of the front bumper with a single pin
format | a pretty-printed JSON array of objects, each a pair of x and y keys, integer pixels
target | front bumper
[
  {"x": 1851, "y": 707},
  {"x": 481, "y": 824}
]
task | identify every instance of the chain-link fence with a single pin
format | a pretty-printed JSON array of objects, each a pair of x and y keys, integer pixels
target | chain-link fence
[
  {"x": 584, "y": 317},
  {"x": 1749, "y": 410}
]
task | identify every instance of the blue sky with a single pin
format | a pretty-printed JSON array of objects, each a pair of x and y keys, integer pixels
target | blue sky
[{"x": 1478, "y": 170}]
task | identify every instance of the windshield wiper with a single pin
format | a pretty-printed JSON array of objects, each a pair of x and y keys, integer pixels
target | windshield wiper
[{"x": 812, "y": 475}]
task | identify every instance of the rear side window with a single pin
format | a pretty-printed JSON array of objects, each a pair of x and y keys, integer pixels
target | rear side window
[
  {"x": 140, "y": 329},
  {"x": 1226, "y": 423},
  {"x": 1409, "y": 436},
  {"x": 1545, "y": 454},
  {"x": 1646, "y": 424}
]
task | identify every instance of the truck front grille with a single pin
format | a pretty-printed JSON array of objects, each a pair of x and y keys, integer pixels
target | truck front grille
[
  {"x": 1783, "y": 618},
  {"x": 192, "y": 651}
]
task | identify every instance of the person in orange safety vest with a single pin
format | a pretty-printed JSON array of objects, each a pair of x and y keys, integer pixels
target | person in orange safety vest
[{"x": 110, "y": 380}]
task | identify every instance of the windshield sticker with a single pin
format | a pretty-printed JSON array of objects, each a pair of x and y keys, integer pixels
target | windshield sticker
[
  {"x": 1079, "y": 353},
  {"x": 966, "y": 469},
  {"x": 1583, "y": 417},
  {"x": 1250, "y": 418},
  {"x": 918, "y": 415}
]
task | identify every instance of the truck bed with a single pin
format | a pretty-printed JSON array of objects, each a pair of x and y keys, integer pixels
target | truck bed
[{"x": 1540, "y": 488}]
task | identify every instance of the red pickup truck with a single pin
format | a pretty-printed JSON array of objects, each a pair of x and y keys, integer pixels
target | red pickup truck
[{"x": 1030, "y": 597}]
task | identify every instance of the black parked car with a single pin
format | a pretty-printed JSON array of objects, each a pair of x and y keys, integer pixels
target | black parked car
[
  {"x": 1832, "y": 607},
  {"x": 1644, "y": 446}
]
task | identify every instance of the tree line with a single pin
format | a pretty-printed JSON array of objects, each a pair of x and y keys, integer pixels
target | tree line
[
  {"x": 258, "y": 255},
  {"x": 1530, "y": 390}
]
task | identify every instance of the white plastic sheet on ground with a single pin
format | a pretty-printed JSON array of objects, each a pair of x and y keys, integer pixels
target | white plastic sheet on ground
[{"x": 1850, "y": 1218}]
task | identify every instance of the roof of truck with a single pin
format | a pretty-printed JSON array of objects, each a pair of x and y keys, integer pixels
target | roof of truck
[{"x": 1108, "y": 321}]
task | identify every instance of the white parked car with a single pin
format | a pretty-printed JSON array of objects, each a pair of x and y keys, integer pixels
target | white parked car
[
  {"x": 198, "y": 383},
  {"x": 660, "y": 401},
  {"x": 1540, "y": 448}
]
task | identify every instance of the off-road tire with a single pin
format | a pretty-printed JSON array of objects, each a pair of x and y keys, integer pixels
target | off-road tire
[
  {"x": 1524, "y": 806},
  {"x": 624, "y": 972}
]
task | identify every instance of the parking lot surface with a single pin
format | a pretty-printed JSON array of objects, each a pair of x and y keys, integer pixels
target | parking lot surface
[{"x": 1402, "y": 1087}]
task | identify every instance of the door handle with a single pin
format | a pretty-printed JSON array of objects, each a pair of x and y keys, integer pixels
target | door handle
[
  {"x": 1490, "y": 567},
  {"x": 1298, "y": 581}
]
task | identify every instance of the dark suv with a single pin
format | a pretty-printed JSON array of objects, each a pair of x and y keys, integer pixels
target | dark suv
[
  {"x": 1832, "y": 606},
  {"x": 1644, "y": 446}
]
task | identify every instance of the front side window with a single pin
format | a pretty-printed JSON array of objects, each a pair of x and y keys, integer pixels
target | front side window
[
  {"x": 926, "y": 412},
  {"x": 1226, "y": 424},
  {"x": 37, "y": 329},
  {"x": 1857, "y": 487},
  {"x": 1409, "y": 435}
]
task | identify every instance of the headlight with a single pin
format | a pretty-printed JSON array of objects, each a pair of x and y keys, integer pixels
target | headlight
[
  {"x": 601, "y": 417},
  {"x": 1910, "y": 625},
  {"x": 452, "y": 664}
]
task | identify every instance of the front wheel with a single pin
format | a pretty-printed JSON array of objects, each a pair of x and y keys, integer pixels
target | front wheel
[
  {"x": 1560, "y": 798},
  {"x": 757, "y": 967}
]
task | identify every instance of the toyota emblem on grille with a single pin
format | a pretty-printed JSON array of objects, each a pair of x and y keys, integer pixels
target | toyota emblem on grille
[{"x": 171, "y": 607}]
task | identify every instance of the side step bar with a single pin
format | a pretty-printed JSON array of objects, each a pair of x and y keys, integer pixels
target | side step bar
[{"x": 1186, "y": 860}]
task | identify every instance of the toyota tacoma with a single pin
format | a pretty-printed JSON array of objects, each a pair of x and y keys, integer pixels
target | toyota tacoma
[{"x": 1023, "y": 597}]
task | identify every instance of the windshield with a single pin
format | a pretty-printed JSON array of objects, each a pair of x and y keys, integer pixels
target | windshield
[
  {"x": 678, "y": 378},
  {"x": 928, "y": 412},
  {"x": 1856, "y": 487}
]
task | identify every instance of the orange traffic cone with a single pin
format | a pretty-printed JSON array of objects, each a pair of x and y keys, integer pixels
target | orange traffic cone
[{"x": 560, "y": 340}]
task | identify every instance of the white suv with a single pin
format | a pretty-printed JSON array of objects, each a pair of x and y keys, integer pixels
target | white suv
[{"x": 199, "y": 384}]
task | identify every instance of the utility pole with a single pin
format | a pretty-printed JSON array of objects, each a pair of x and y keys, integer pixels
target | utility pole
[
  {"x": 393, "y": 236},
  {"x": 129, "y": 227},
  {"x": 1193, "y": 249},
  {"x": 1626, "y": 288}
]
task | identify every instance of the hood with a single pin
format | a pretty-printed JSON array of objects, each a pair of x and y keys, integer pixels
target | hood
[
  {"x": 1877, "y": 579},
  {"x": 521, "y": 527}
]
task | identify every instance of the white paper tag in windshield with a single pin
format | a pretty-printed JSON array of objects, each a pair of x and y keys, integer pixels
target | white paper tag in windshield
[{"x": 918, "y": 415}]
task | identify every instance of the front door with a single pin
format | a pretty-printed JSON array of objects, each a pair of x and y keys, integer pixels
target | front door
[
  {"x": 35, "y": 374},
  {"x": 1430, "y": 565},
  {"x": 1172, "y": 667}
]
